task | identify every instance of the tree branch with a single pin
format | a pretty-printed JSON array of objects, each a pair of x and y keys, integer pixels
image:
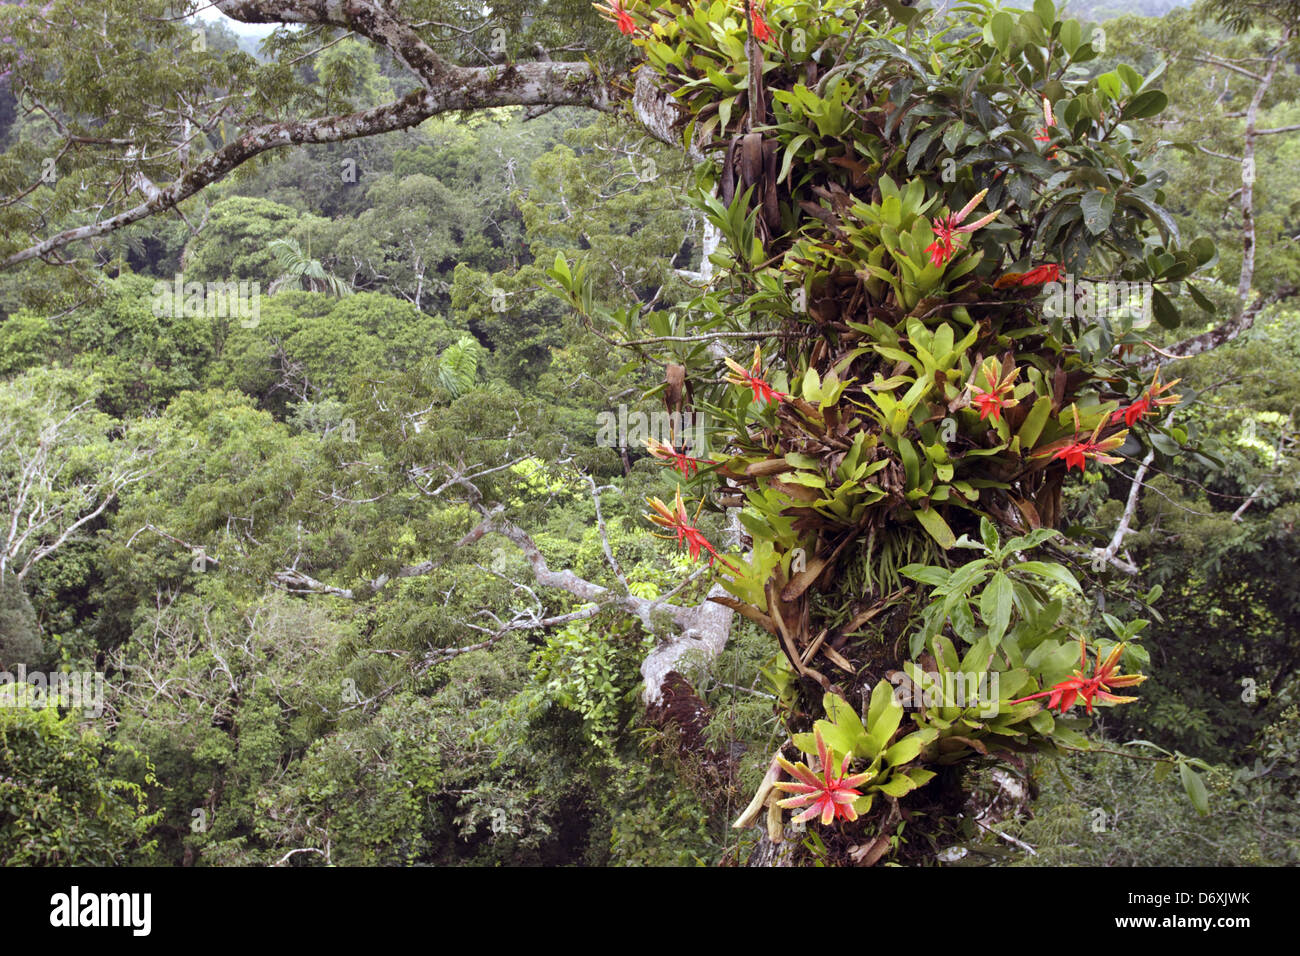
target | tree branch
[
  {"x": 1220, "y": 335},
  {"x": 522, "y": 84}
]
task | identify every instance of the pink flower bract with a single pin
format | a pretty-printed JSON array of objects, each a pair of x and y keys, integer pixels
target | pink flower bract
[{"x": 829, "y": 796}]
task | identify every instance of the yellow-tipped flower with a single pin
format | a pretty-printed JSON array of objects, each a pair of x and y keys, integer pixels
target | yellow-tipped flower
[
  {"x": 1063, "y": 695},
  {"x": 678, "y": 459},
  {"x": 675, "y": 518},
  {"x": 948, "y": 229},
  {"x": 1002, "y": 379},
  {"x": 753, "y": 378}
]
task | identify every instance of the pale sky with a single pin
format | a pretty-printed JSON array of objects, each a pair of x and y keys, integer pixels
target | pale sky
[{"x": 243, "y": 29}]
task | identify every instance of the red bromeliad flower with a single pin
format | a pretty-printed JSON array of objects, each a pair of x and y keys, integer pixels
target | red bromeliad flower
[
  {"x": 1001, "y": 378},
  {"x": 1133, "y": 413},
  {"x": 989, "y": 403},
  {"x": 1063, "y": 695},
  {"x": 678, "y": 459},
  {"x": 831, "y": 795},
  {"x": 674, "y": 518},
  {"x": 948, "y": 229},
  {"x": 1048, "y": 272},
  {"x": 943, "y": 248},
  {"x": 1151, "y": 397},
  {"x": 1075, "y": 455},
  {"x": 1039, "y": 275},
  {"x": 1076, "y": 452},
  {"x": 618, "y": 13},
  {"x": 762, "y": 33},
  {"x": 753, "y": 378}
]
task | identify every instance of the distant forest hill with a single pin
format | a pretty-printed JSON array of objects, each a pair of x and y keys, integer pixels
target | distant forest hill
[{"x": 1097, "y": 10}]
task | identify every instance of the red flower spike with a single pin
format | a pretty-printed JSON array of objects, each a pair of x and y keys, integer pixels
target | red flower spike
[
  {"x": 1064, "y": 694},
  {"x": 1151, "y": 398},
  {"x": 943, "y": 248},
  {"x": 1133, "y": 413},
  {"x": 990, "y": 404},
  {"x": 762, "y": 32},
  {"x": 1075, "y": 455},
  {"x": 682, "y": 462},
  {"x": 829, "y": 796},
  {"x": 1076, "y": 452},
  {"x": 1048, "y": 272},
  {"x": 1043, "y": 136},
  {"x": 1002, "y": 381},
  {"x": 674, "y": 518},
  {"x": 948, "y": 229},
  {"x": 619, "y": 15},
  {"x": 753, "y": 378}
]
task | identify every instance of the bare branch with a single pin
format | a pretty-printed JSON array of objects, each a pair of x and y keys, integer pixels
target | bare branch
[{"x": 1109, "y": 554}]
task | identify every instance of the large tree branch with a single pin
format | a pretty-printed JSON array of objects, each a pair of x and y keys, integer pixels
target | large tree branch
[
  {"x": 701, "y": 629},
  {"x": 1219, "y": 335},
  {"x": 522, "y": 84},
  {"x": 1248, "y": 241},
  {"x": 369, "y": 19},
  {"x": 1110, "y": 553},
  {"x": 444, "y": 87},
  {"x": 704, "y": 628}
]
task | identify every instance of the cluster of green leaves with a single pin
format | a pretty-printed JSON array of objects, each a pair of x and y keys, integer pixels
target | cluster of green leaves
[
  {"x": 591, "y": 672},
  {"x": 1008, "y": 588},
  {"x": 61, "y": 803},
  {"x": 871, "y": 740}
]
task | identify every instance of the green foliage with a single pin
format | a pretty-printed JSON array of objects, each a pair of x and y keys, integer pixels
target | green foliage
[
  {"x": 350, "y": 79},
  {"x": 1104, "y": 810},
  {"x": 236, "y": 239},
  {"x": 299, "y": 270},
  {"x": 20, "y": 635},
  {"x": 589, "y": 669},
  {"x": 61, "y": 803},
  {"x": 289, "y": 563},
  {"x": 307, "y": 347},
  {"x": 141, "y": 356}
]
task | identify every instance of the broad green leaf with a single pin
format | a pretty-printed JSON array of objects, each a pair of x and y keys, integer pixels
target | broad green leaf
[
  {"x": 1145, "y": 105},
  {"x": 995, "y": 606},
  {"x": 933, "y": 522},
  {"x": 1195, "y": 788},
  {"x": 1097, "y": 207}
]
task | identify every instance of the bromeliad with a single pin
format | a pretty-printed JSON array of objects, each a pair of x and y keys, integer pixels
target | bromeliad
[
  {"x": 1064, "y": 694},
  {"x": 831, "y": 795},
  {"x": 948, "y": 229},
  {"x": 618, "y": 13},
  {"x": 674, "y": 518},
  {"x": 1150, "y": 398},
  {"x": 687, "y": 465},
  {"x": 1001, "y": 379},
  {"x": 753, "y": 378},
  {"x": 1076, "y": 453}
]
